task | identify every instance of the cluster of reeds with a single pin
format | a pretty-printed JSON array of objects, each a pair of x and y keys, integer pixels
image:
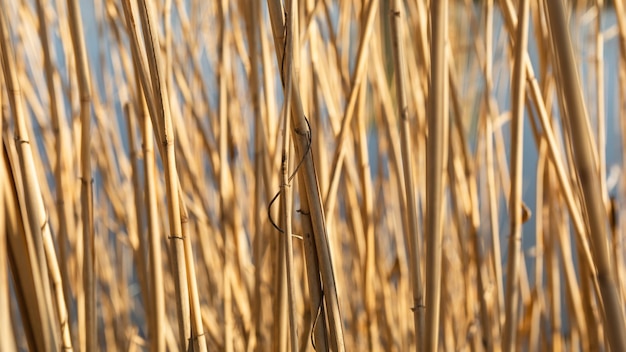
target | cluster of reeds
[{"x": 300, "y": 175}]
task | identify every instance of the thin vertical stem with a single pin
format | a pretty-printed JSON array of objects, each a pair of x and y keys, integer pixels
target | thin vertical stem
[
  {"x": 66, "y": 218},
  {"x": 154, "y": 232},
  {"x": 357, "y": 77},
  {"x": 89, "y": 283},
  {"x": 515, "y": 201},
  {"x": 5, "y": 318},
  {"x": 291, "y": 47},
  {"x": 415, "y": 272},
  {"x": 252, "y": 25},
  {"x": 491, "y": 180},
  {"x": 436, "y": 164}
]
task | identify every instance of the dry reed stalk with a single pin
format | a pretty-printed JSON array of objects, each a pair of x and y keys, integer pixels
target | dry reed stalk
[
  {"x": 584, "y": 161},
  {"x": 537, "y": 98},
  {"x": 370, "y": 288},
  {"x": 541, "y": 211},
  {"x": 53, "y": 266},
  {"x": 316, "y": 304},
  {"x": 576, "y": 217},
  {"x": 14, "y": 226},
  {"x": 66, "y": 219},
  {"x": 355, "y": 257},
  {"x": 553, "y": 279},
  {"x": 590, "y": 308},
  {"x": 464, "y": 192},
  {"x": 88, "y": 235},
  {"x": 395, "y": 10},
  {"x": 269, "y": 102},
  {"x": 279, "y": 309},
  {"x": 447, "y": 328},
  {"x": 621, "y": 23},
  {"x": 21, "y": 254},
  {"x": 463, "y": 165},
  {"x": 290, "y": 64},
  {"x": 515, "y": 201},
  {"x": 39, "y": 226},
  {"x": 419, "y": 17},
  {"x": 150, "y": 280},
  {"x": 163, "y": 121},
  {"x": 319, "y": 82},
  {"x": 458, "y": 210},
  {"x": 496, "y": 261},
  {"x": 436, "y": 161},
  {"x": 561, "y": 176},
  {"x": 392, "y": 133},
  {"x": 110, "y": 306},
  {"x": 486, "y": 290},
  {"x": 343, "y": 75},
  {"x": 354, "y": 219},
  {"x": 197, "y": 338},
  {"x": 494, "y": 226},
  {"x": 572, "y": 287},
  {"x": 357, "y": 77},
  {"x": 342, "y": 37},
  {"x": 6, "y": 344},
  {"x": 224, "y": 185},
  {"x": 136, "y": 237},
  {"x": 615, "y": 244},
  {"x": 193, "y": 172},
  {"x": 590, "y": 289},
  {"x": 391, "y": 149},
  {"x": 252, "y": 23},
  {"x": 157, "y": 337},
  {"x": 600, "y": 110},
  {"x": 287, "y": 208},
  {"x": 55, "y": 278},
  {"x": 140, "y": 65},
  {"x": 317, "y": 310},
  {"x": 302, "y": 137}
]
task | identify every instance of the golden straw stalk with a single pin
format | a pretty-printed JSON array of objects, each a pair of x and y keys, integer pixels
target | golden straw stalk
[{"x": 436, "y": 164}]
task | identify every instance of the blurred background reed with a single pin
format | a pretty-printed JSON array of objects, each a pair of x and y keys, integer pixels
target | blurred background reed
[{"x": 443, "y": 175}]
